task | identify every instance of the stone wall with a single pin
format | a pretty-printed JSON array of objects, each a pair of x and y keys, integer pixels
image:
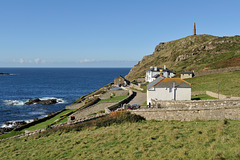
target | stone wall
[
  {"x": 113, "y": 107},
  {"x": 136, "y": 87},
  {"x": 192, "y": 110}
]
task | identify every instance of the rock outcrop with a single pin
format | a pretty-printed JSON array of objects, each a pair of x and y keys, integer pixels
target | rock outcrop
[
  {"x": 43, "y": 102},
  {"x": 196, "y": 52}
]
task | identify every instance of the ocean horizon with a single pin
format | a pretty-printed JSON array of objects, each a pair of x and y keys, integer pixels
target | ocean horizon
[{"x": 64, "y": 84}]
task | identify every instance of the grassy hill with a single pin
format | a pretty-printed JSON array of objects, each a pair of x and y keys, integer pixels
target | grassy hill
[
  {"x": 226, "y": 83},
  {"x": 196, "y": 52},
  {"x": 132, "y": 140}
]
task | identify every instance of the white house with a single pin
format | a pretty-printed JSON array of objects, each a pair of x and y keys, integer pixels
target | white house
[
  {"x": 154, "y": 72},
  {"x": 168, "y": 89}
]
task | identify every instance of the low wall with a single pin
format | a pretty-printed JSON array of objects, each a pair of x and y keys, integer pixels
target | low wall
[
  {"x": 111, "y": 108},
  {"x": 192, "y": 110},
  {"x": 136, "y": 87}
]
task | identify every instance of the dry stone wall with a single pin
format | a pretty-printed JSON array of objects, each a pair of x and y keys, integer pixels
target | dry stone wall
[{"x": 192, "y": 110}]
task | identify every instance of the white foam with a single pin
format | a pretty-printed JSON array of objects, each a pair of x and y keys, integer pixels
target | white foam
[
  {"x": 12, "y": 123},
  {"x": 14, "y": 102},
  {"x": 22, "y": 102}
]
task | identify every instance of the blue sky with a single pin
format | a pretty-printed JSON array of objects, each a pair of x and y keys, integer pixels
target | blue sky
[{"x": 103, "y": 33}]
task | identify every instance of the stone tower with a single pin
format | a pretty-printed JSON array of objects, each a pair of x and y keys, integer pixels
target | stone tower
[{"x": 194, "y": 28}]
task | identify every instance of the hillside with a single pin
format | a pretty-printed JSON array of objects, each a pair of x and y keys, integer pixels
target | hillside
[
  {"x": 196, "y": 52},
  {"x": 138, "y": 140}
]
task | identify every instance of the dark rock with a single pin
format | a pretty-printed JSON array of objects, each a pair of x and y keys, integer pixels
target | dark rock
[
  {"x": 4, "y": 74},
  {"x": 32, "y": 101},
  {"x": 48, "y": 102},
  {"x": 13, "y": 125},
  {"x": 43, "y": 102},
  {"x": 4, "y": 130}
]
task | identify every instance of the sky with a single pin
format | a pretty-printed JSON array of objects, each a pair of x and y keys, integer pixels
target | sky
[{"x": 103, "y": 33}]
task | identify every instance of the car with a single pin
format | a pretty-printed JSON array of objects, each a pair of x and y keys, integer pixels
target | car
[{"x": 135, "y": 106}]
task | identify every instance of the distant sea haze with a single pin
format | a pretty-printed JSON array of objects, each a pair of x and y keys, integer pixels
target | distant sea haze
[{"x": 64, "y": 84}]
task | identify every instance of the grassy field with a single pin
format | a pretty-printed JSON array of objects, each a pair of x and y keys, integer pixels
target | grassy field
[
  {"x": 118, "y": 98},
  {"x": 139, "y": 140},
  {"x": 202, "y": 97},
  {"x": 227, "y": 83}
]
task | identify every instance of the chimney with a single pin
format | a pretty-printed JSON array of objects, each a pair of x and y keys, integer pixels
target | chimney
[
  {"x": 194, "y": 28},
  {"x": 161, "y": 73},
  {"x": 155, "y": 68},
  {"x": 164, "y": 66}
]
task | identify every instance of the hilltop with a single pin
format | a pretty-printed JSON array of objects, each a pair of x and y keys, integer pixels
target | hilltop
[{"x": 196, "y": 52}]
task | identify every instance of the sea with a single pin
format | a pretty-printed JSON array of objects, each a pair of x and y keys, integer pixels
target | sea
[{"x": 64, "y": 84}]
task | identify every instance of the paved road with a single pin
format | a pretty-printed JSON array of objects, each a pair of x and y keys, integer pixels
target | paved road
[{"x": 140, "y": 98}]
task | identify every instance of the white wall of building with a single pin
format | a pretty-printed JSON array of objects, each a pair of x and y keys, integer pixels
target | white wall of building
[{"x": 168, "y": 94}]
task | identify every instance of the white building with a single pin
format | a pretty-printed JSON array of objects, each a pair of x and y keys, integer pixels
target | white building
[
  {"x": 154, "y": 72},
  {"x": 168, "y": 89}
]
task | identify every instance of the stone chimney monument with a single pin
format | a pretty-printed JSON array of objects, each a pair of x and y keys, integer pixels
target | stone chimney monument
[{"x": 194, "y": 28}]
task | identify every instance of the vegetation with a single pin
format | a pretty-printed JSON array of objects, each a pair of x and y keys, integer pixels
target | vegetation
[
  {"x": 131, "y": 139},
  {"x": 61, "y": 117},
  {"x": 118, "y": 98},
  {"x": 202, "y": 97},
  {"x": 197, "y": 52},
  {"x": 225, "y": 83}
]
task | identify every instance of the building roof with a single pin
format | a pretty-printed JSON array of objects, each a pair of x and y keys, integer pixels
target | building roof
[
  {"x": 169, "y": 82},
  {"x": 150, "y": 85},
  {"x": 158, "y": 69},
  {"x": 187, "y": 73},
  {"x": 156, "y": 76}
]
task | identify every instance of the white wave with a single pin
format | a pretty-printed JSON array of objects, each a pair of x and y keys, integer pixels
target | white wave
[
  {"x": 11, "y": 124},
  {"x": 14, "y": 102},
  {"x": 37, "y": 112}
]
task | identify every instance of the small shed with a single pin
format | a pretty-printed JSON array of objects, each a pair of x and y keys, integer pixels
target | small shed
[
  {"x": 121, "y": 81},
  {"x": 185, "y": 75}
]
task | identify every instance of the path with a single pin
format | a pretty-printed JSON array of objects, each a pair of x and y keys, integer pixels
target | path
[{"x": 139, "y": 99}]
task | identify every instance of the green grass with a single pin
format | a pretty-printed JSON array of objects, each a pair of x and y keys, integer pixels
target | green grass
[
  {"x": 139, "y": 140},
  {"x": 228, "y": 83},
  {"x": 118, "y": 98},
  {"x": 10, "y": 134},
  {"x": 145, "y": 103},
  {"x": 202, "y": 97},
  {"x": 48, "y": 122}
]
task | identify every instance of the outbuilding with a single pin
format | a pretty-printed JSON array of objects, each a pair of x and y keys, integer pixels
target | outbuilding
[
  {"x": 185, "y": 75},
  {"x": 121, "y": 81}
]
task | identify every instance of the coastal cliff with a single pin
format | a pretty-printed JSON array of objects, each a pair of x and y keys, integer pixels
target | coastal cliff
[{"x": 196, "y": 52}]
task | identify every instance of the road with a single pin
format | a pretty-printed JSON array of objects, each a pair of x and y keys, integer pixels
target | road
[{"x": 140, "y": 98}]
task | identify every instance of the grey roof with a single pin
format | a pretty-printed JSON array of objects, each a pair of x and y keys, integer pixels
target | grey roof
[
  {"x": 169, "y": 82},
  {"x": 150, "y": 85},
  {"x": 156, "y": 76}
]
